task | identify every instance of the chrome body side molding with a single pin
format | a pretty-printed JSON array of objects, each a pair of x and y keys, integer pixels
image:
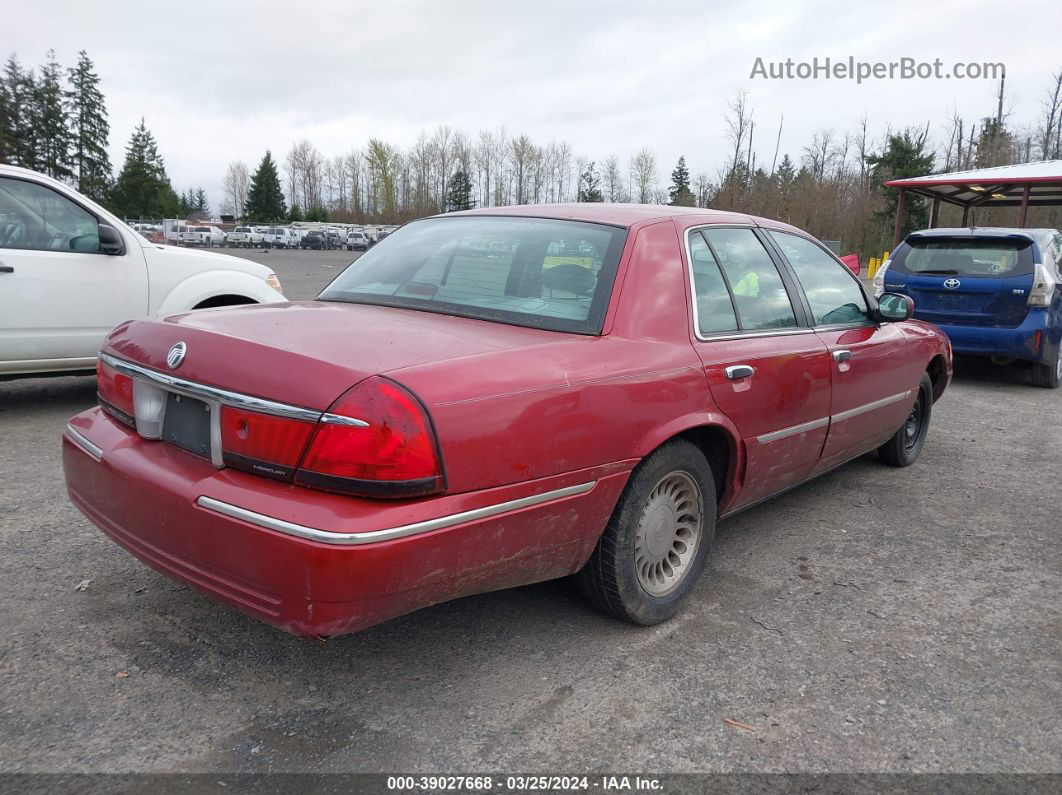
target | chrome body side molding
[
  {"x": 84, "y": 444},
  {"x": 387, "y": 534},
  {"x": 793, "y": 430},
  {"x": 877, "y": 404}
]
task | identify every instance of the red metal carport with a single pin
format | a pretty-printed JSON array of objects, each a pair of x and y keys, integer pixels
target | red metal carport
[{"x": 1023, "y": 185}]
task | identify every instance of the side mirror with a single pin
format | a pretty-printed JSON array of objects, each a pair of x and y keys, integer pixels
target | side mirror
[
  {"x": 894, "y": 307},
  {"x": 111, "y": 241}
]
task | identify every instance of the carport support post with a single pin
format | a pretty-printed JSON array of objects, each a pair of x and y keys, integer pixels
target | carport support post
[
  {"x": 1024, "y": 206},
  {"x": 965, "y": 213},
  {"x": 897, "y": 229},
  {"x": 934, "y": 212}
]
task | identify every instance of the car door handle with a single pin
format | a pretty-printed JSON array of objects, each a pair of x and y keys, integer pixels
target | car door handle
[
  {"x": 842, "y": 356},
  {"x": 6, "y": 268},
  {"x": 737, "y": 371}
]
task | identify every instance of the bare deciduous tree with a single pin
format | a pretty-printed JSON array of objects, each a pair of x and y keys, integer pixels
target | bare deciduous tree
[
  {"x": 237, "y": 182},
  {"x": 643, "y": 176}
]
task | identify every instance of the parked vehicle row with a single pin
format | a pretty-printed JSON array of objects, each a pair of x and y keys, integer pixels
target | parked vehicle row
[
  {"x": 261, "y": 235},
  {"x": 588, "y": 398}
]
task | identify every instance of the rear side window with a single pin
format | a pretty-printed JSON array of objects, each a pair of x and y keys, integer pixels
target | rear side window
[
  {"x": 992, "y": 258},
  {"x": 833, "y": 294},
  {"x": 715, "y": 309},
  {"x": 759, "y": 293}
]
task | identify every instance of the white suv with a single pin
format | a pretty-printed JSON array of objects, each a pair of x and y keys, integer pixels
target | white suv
[{"x": 70, "y": 271}]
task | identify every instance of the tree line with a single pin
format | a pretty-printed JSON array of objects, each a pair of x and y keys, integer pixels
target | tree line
[
  {"x": 55, "y": 121},
  {"x": 833, "y": 187}
]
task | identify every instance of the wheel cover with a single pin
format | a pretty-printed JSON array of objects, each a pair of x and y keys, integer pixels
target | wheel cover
[{"x": 668, "y": 533}]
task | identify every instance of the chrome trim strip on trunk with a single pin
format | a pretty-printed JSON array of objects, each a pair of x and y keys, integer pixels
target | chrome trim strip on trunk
[
  {"x": 793, "y": 430},
  {"x": 388, "y": 534},
  {"x": 84, "y": 444},
  {"x": 216, "y": 394},
  {"x": 877, "y": 404}
]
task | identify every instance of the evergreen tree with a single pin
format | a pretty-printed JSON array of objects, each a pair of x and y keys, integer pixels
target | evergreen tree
[
  {"x": 994, "y": 144},
  {"x": 265, "y": 199},
  {"x": 18, "y": 140},
  {"x": 679, "y": 192},
  {"x": 786, "y": 176},
  {"x": 7, "y": 110},
  {"x": 90, "y": 130},
  {"x": 459, "y": 195},
  {"x": 185, "y": 203},
  {"x": 142, "y": 189},
  {"x": 51, "y": 123},
  {"x": 590, "y": 185},
  {"x": 317, "y": 213},
  {"x": 199, "y": 200},
  {"x": 905, "y": 155},
  {"x": 294, "y": 214}
]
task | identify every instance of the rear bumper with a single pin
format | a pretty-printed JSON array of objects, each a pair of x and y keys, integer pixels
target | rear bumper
[
  {"x": 320, "y": 564},
  {"x": 1031, "y": 341}
]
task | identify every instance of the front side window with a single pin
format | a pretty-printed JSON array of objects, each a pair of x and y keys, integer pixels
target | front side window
[
  {"x": 534, "y": 272},
  {"x": 834, "y": 296},
  {"x": 760, "y": 296},
  {"x": 35, "y": 217}
]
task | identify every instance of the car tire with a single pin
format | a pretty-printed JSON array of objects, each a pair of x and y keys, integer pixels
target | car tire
[
  {"x": 1049, "y": 376},
  {"x": 906, "y": 444},
  {"x": 656, "y": 543}
]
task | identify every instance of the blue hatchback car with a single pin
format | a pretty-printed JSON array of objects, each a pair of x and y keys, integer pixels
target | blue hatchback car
[{"x": 992, "y": 291}]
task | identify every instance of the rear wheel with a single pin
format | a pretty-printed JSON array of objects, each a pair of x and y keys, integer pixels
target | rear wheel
[
  {"x": 655, "y": 546},
  {"x": 1049, "y": 375},
  {"x": 906, "y": 444}
]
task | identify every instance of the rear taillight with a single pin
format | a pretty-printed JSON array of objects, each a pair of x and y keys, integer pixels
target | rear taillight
[
  {"x": 1043, "y": 288},
  {"x": 114, "y": 391},
  {"x": 377, "y": 440},
  {"x": 262, "y": 443}
]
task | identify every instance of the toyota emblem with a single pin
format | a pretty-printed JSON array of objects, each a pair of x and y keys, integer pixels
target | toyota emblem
[
  {"x": 176, "y": 355},
  {"x": 951, "y": 284}
]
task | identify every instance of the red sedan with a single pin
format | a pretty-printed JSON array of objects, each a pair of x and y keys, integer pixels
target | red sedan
[{"x": 495, "y": 398}]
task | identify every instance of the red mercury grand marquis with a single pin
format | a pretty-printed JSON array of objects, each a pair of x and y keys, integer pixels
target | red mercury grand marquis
[{"x": 495, "y": 398}]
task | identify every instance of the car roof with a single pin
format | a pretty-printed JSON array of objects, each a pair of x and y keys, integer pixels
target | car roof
[{"x": 623, "y": 214}]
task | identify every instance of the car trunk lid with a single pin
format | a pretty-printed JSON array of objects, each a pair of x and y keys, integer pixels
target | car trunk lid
[{"x": 307, "y": 354}]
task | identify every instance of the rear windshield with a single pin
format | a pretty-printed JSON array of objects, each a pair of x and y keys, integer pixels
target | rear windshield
[
  {"x": 549, "y": 274},
  {"x": 965, "y": 257}
]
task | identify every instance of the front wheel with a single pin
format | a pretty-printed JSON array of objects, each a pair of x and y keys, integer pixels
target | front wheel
[
  {"x": 906, "y": 444},
  {"x": 656, "y": 543},
  {"x": 1049, "y": 374}
]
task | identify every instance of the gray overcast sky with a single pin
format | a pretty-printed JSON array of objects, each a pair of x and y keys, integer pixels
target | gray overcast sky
[{"x": 224, "y": 80}]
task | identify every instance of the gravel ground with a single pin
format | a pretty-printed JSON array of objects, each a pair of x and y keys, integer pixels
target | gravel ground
[{"x": 874, "y": 620}]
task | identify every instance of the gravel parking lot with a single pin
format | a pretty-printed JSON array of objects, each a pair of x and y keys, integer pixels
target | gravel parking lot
[{"x": 874, "y": 620}]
